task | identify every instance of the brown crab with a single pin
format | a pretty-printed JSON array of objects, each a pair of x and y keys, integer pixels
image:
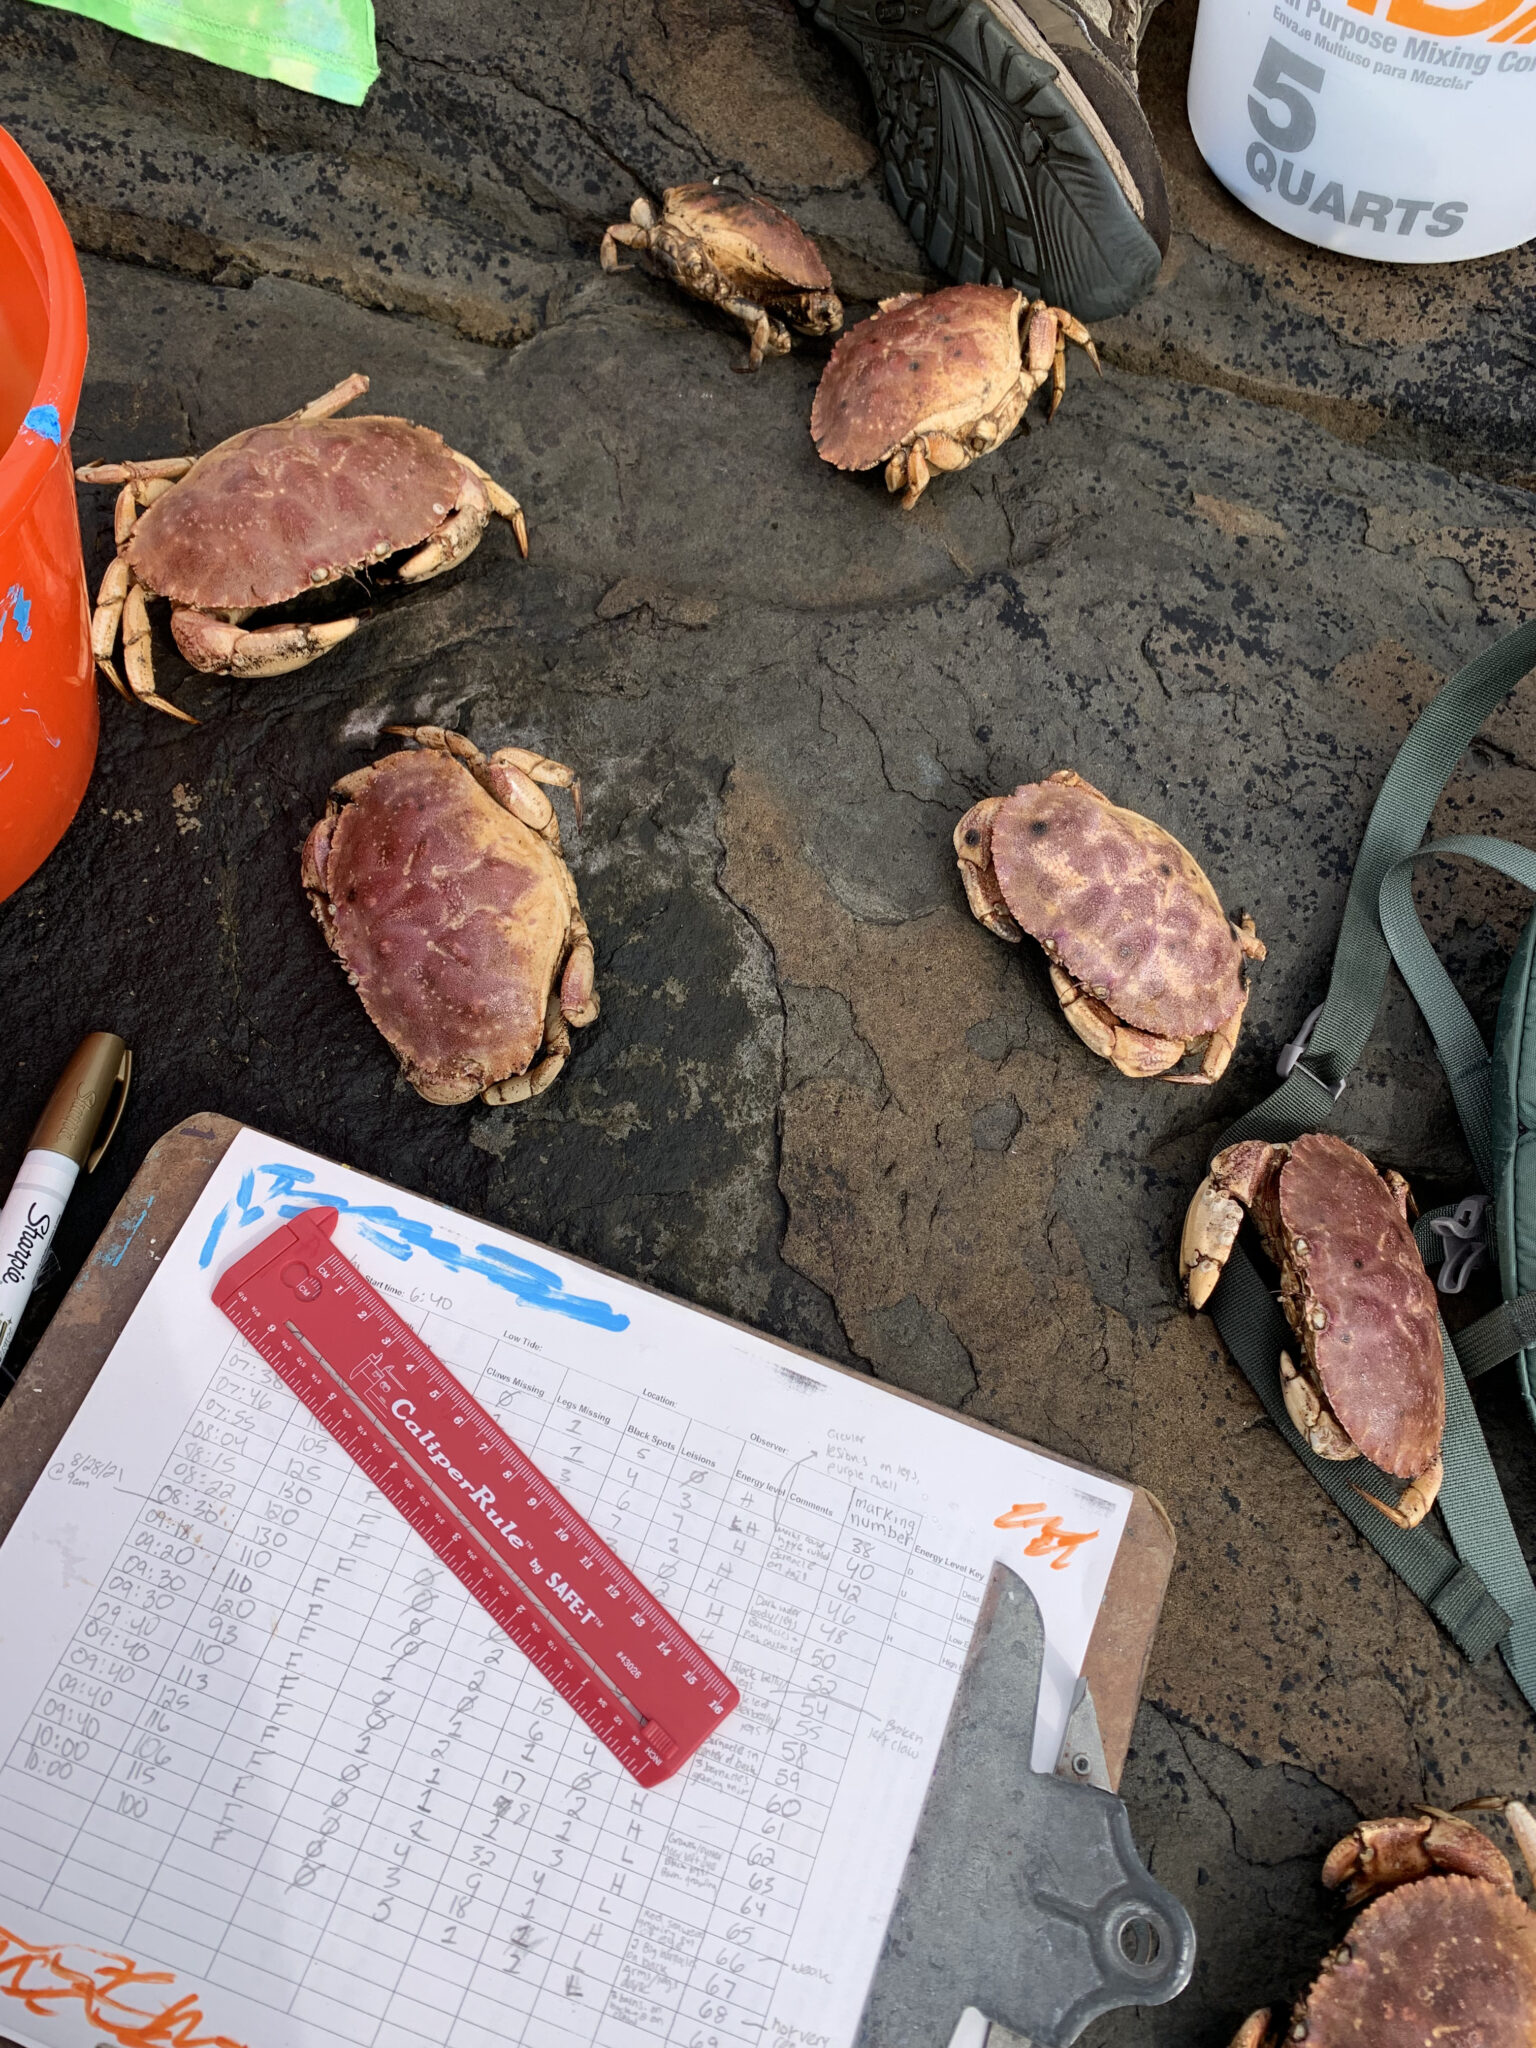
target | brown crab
[
  {"x": 738, "y": 252},
  {"x": 1444, "y": 1958},
  {"x": 1146, "y": 964},
  {"x": 269, "y": 514},
  {"x": 932, "y": 381},
  {"x": 437, "y": 878},
  {"x": 1371, "y": 1382}
]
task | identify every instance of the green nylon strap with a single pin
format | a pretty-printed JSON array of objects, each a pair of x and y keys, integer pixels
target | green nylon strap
[
  {"x": 1458, "y": 1041},
  {"x": 1443, "y": 732},
  {"x": 1491, "y": 1594},
  {"x": 1256, "y": 1332},
  {"x": 1503, "y": 1333}
]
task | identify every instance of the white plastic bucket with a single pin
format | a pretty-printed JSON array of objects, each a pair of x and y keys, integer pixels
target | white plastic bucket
[{"x": 1399, "y": 130}]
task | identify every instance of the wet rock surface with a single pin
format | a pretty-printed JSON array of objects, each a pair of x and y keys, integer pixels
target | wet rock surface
[{"x": 820, "y": 1096}]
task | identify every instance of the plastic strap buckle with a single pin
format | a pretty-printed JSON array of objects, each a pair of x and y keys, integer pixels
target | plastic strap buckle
[
  {"x": 1466, "y": 1245},
  {"x": 1290, "y": 1057}
]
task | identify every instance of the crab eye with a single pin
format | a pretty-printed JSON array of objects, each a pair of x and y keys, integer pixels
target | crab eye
[{"x": 973, "y": 837}]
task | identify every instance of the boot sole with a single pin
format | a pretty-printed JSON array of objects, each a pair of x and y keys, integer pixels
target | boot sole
[{"x": 996, "y": 158}]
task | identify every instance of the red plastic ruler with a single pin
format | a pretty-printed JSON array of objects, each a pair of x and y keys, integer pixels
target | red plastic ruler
[{"x": 582, "y": 1618}]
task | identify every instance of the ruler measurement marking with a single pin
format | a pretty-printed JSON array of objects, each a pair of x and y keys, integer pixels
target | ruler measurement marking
[
  {"x": 529, "y": 1594},
  {"x": 339, "y": 1396},
  {"x": 523, "y": 1473},
  {"x": 657, "y": 1717}
]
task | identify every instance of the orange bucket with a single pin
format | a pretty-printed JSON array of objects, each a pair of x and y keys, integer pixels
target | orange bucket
[{"x": 47, "y": 689}]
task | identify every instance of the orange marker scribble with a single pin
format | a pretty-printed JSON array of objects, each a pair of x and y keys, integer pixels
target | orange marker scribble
[
  {"x": 1027, "y": 1515},
  {"x": 45, "y": 1978}
]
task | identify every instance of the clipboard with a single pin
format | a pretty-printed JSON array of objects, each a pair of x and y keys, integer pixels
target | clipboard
[{"x": 145, "y": 1224}]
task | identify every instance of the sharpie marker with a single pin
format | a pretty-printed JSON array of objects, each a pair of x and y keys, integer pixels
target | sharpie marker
[{"x": 94, "y": 1083}]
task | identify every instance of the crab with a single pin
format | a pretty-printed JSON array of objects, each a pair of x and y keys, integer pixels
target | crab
[
  {"x": 1444, "y": 1956},
  {"x": 929, "y": 382},
  {"x": 1371, "y": 1382},
  {"x": 740, "y": 253},
  {"x": 1146, "y": 964},
  {"x": 271, "y": 513},
  {"x": 437, "y": 878}
]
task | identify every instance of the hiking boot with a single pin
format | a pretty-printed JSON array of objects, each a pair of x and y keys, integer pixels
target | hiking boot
[{"x": 1015, "y": 146}]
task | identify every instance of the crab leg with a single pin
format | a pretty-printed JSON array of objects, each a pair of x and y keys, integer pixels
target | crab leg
[
  {"x": 125, "y": 515},
  {"x": 1255, "y": 2030},
  {"x": 1219, "y": 1048},
  {"x": 1313, "y": 1420},
  {"x": 219, "y": 648},
  {"x": 911, "y": 470},
  {"x": 770, "y": 337},
  {"x": 164, "y": 468},
  {"x": 578, "y": 995},
  {"x": 134, "y": 497},
  {"x": 1042, "y": 339},
  {"x": 1415, "y": 1500},
  {"x": 554, "y": 774},
  {"x": 458, "y": 536},
  {"x": 503, "y": 504},
  {"x": 628, "y": 234},
  {"x": 522, "y": 796},
  {"x": 557, "y": 1050},
  {"x": 1137, "y": 1054},
  {"x": 1049, "y": 330},
  {"x": 106, "y": 619},
  {"x": 138, "y": 663},
  {"x": 330, "y": 402}
]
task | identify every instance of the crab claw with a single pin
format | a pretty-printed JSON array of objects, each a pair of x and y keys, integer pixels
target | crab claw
[
  {"x": 218, "y": 648},
  {"x": 1381, "y": 1854},
  {"x": 1255, "y": 2032},
  {"x": 1415, "y": 1500},
  {"x": 1236, "y": 1181},
  {"x": 1211, "y": 1224},
  {"x": 1311, "y": 1417}
]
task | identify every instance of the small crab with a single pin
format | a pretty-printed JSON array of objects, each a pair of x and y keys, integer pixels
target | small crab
[
  {"x": 1446, "y": 1958},
  {"x": 740, "y": 253},
  {"x": 271, "y": 513},
  {"x": 437, "y": 878},
  {"x": 932, "y": 381},
  {"x": 1371, "y": 1382},
  {"x": 1146, "y": 964}
]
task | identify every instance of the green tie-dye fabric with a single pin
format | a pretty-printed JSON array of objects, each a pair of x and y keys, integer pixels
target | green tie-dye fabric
[{"x": 320, "y": 46}]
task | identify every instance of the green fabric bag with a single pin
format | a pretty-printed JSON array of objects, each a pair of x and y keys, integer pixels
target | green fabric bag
[
  {"x": 1481, "y": 1593},
  {"x": 319, "y": 46},
  {"x": 1514, "y": 1148}
]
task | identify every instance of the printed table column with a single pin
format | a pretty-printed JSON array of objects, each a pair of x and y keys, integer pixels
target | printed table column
[
  {"x": 277, "y": 1781},
  {"x": 778, "y": 1827},
  {"x": 483, "y": 1672},
  {"x": 731, "y": 1541},
  {"x": 127, "y": 1805},
  {"x": 231, "y": 1634}
]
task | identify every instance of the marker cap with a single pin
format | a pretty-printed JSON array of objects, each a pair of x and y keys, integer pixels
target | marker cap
[{"x": 93, "y": 1084}]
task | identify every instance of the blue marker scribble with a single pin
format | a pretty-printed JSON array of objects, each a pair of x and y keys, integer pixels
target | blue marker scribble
[
  {"x": 18, "y": 609},
  {"x": 291, "y": 1192},
  {"x": 43, "y": 420}
]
